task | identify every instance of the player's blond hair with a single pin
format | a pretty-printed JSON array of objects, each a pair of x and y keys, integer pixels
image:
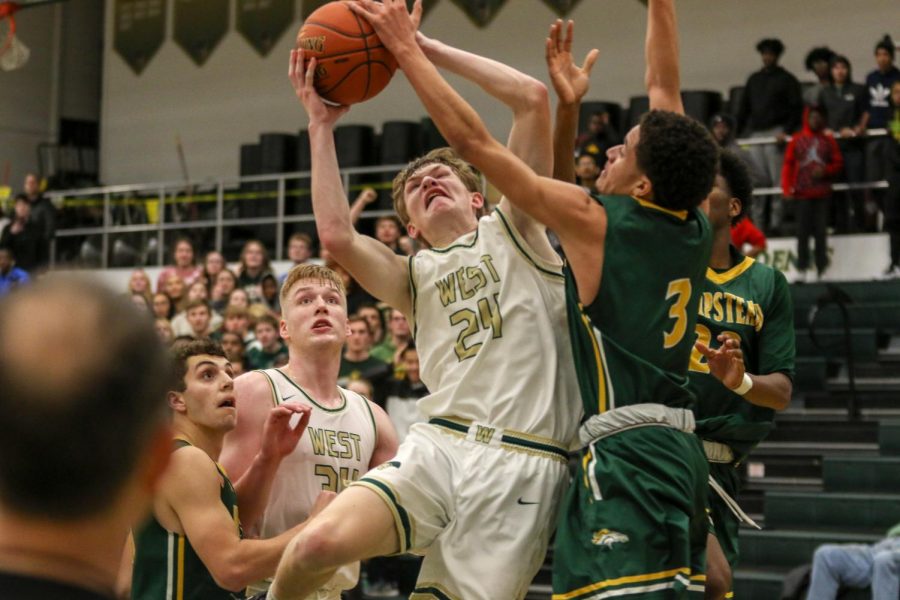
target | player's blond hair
[
  {"x": 314, "y": 272},
  {"x": 444, "y": 156}
]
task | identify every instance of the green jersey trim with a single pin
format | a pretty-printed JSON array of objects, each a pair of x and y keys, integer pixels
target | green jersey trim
[
  {"x": 731, "y": 274},
  {"x": 678, "y": 214},
  {"x": 310, "y": 398},
  {"x": 275, "y": 399},
  {"x": 522, "y": 246},
  {"x": 456, "y": 245}
]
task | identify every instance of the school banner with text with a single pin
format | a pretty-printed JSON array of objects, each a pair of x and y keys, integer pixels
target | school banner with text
[
  {"x": 853, "y": 257},
  {"x": 138, "y": 30},
  {"x": 262, "y": 22},
  {"x": 199, "y": 26}
]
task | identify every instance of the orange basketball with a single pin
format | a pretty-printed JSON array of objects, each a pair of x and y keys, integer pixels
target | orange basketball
[{"x": 352, "y": 65}]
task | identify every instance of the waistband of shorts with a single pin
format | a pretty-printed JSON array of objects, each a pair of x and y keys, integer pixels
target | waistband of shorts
[
  {"x": 717, "y": 452},
  {"x": 634, "y": 416},
  {"x": 490, "y": 435}
]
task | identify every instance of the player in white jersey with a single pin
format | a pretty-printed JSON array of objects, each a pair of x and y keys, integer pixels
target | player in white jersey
[
  {"x": 476, "y": 488},
  {"x": 346, "y": 436}
]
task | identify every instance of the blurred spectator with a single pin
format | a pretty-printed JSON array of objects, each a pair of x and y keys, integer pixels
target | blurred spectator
[
  {"x": 366, "y": 197},
  {"x": 375, "y": 318},
  {"x": 811, "y": 163},
  {"x": 771, "y": 106},
  {"x": 23, "y": 236},
  {"x": 185, "y": 267},
  {"x": 141, "y": 303},
  {"x": 139, "y": 283},
  {"x": 233, "y": 345},
  {"x": 270, "y": 289},
  {"x": 363, "y": 387},
  {"x": 892, "y": 198},
  {"x": 747, "y": 238},
  {"x": 43, "y": 214},
  {"x": 388, "y": 231},
  {"x": 164, "y": 331},
  {"x": 11, "y": 276},
  {"x": 845, "y": 103},
  {"x": 879, "y": 84},
  {"x": 236, "y": 320},
  {"x": 402, "y": 397},
  {"x": 397, "y": 338},
  {"x": 224, "y": 283},
  {"x": 199, "y": 317},
  {"x": 299, "y": 251},
  {"x": 357, "y": 362},
  {"x": 356, "y": 296},
  {"x": 213, "y": 264},
  {"x": 599, "y": 137},
  {"x": 268, "y": 350},
  {"x": 239, "y": 298},
  {"x": 587, "y": 171},
  {"x": 174, "y": 287},
  {"x": 818, "y": 62},
  {"x": 163, "y": 307},
  {"x": 857, "y": 566},
  {"x": 723, "y": 130},
  {"x": 254, "y": 266},
  {"x": 181, "y": 324}
]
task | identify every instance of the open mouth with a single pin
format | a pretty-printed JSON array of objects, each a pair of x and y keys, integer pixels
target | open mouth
[
  {"x": 432, "y": 195},
  {"x": 227, "y": 402},
  {"x": 320, "y": 324}
]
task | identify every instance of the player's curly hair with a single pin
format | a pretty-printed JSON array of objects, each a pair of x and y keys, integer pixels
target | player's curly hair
[
  {"x": 679, "y": 157},
  {"x": 444, "y": 156},
  {"x": 182, "y": 351},
  {"x": 736, "y": 174}
]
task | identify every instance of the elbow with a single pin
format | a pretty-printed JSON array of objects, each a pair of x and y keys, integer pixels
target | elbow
[
  {"x": 335, "y": 240},
  {"x": 232, "y": 577},
  {"x": 533, "y": 95}
]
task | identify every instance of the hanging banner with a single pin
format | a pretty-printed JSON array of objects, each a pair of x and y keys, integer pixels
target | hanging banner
[
  {"x": 138, "y": 30},
  {"x": 562, "y": 7},
  {"x": 199, "y": 26},
  {"x": 482, "y": 12},
  {"x": 262, "y": 22},
  {"x": 310, "y": 5}
]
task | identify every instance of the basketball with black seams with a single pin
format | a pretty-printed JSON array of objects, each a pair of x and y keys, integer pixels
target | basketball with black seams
[{"x": 352, "y": 65}]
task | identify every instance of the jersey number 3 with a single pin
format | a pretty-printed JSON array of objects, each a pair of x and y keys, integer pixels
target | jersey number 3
[
  {"x": 487, "y": 317},
  {"x": 680, "y": 289}
]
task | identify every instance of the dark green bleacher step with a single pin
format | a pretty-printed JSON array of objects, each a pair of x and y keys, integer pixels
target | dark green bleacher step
[
  {"x": 807, "y": 294},
  {"x": 864, "y": 343},
  {"x": 864, "y": 512},
  {"x": 889, "y": 438},
  {"x": 752, "y": 584},
  {"x": 875, "y": 369},
  {"x": 878, "y": 474},
  {"x": 809, "y": 466},
  {"x": 872, "y": 399},
  {"x": 810, "y": 373},
  {"x": 813, "y": 449},
  {"x": 865, "y": 384},
  {"x": 789, "y": 548},
  {"x": 883, "y": 316},
  {"x": 802, "y": 428}
]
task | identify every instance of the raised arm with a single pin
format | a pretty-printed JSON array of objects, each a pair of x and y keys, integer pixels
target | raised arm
[
  {"x": 563, "y": 207},
  {"x": 662, "y": 78},
  {"x": 571, "y": 83},
  {"x": 529, "y": 138},
  {"x": 381, "y": 272}
]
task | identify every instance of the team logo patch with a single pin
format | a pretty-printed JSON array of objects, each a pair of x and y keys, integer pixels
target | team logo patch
[
  {"x": 607, "y": 538},
  {"x": 391, "y": 463}
]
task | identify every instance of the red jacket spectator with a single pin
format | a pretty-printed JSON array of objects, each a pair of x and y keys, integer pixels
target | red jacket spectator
[
  {"x": 745, "y": 232},
  {"x": 812, "y": 159}
]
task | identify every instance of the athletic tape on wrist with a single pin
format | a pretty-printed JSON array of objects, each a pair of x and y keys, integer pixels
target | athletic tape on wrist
[{"x": 746, "y": 385}]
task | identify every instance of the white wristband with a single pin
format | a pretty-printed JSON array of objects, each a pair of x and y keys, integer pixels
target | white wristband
[{"x": 745, "y": 386}]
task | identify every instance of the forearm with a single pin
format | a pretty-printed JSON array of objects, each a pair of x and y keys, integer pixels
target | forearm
[
  {"x": 251, "y": 560},
  {"x": 770, "y": 391},
  {"x": 564, "y": 132},
  {"x": 662, "y": 77},
  {"x": 329, "y": 202},
  {"x": 253, "y": 488}
]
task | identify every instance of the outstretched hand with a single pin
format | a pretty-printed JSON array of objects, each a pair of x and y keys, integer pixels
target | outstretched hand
[
  {"x": 726, "y": 363},
  {"x": 302, "y": 80},
  {"x": 570, "y": 81},
  {"x": 395, "y": 25},
  {"x": 279, "y": 438}
]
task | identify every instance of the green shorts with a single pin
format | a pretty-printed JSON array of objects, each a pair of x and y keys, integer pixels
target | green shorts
[
  {"x": 725, "y": 525},
  {"x": 634, "y": 520}
]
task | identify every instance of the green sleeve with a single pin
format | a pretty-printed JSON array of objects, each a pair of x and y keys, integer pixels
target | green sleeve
[{"x": 776, "y": 339}]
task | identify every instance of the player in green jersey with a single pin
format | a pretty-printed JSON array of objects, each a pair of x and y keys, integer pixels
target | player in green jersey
[
  {"x": 191, "y": 548},
  {"x": 634, "y": 523},
  {"x": 746, "y": 321}
]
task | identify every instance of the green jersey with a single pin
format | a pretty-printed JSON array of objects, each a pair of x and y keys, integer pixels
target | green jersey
[
  {"x": 166, "y": 567},
  {"x": 750, "y": 302},
  {"x": 633, "y": 343}
]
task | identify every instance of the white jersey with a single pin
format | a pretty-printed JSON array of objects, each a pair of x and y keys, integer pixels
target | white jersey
[
  {"x": 336, "y": 449},
  {"x": 489, "y": 318}
]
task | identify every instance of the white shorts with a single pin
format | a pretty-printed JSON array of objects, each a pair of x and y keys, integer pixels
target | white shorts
[{"x": 478, "y": 502}]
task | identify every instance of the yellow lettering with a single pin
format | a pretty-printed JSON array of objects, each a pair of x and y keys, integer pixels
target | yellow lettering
[
  {"x": 706, "y": 304},
  {"x": 354, "y": 437},
  {"x": 316, "y": 44},
  {"x": 484, "y": 434},
  {"x": 331, "y": 438},
  {"x": 464, "y": 292},
  {"x": 739, "y": 311},
  {"x": 474, "y": 273},
  {"x": 729, "y": 308},
  {"x": 717, "y": 306},
  {"x": 344, "y": 440},
  {"x": 318, "y": 441},
  {"x": 486, "y": 260},
  {"x": 447, "y": 289}
]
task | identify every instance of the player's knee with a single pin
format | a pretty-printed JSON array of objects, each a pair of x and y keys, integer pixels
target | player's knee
[
  {"x": 886, "y": 561},
  {"x": 826, "y": 554},
  {"x": 315, "y": 548},
  {"x": 718, "y": 584}
]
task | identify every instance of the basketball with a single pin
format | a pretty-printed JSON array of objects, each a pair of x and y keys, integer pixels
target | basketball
[{"x": 352, "y": 65}]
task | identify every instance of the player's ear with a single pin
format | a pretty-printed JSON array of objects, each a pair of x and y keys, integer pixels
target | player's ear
[
  {"x": 282, "y": 330},
  {"x": 477, "y": 200},
  {"x": 734, "y": 207},
  {"x": 642, "y": 188},
  {"x": 176, "y": 402},
  {"x": 412, "y": 231}
]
